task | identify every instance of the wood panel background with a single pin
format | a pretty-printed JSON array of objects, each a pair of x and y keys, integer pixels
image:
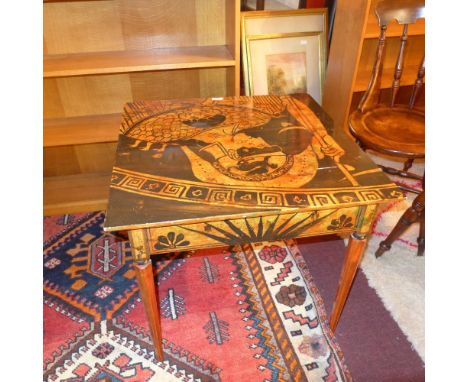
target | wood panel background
[
  {"x": 80, "y": 109},
  {"x": 94, "y": 26}
]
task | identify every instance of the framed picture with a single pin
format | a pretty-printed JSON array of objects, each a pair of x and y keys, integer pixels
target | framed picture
[
  {"x": 284, "y": 52},
  {"x": 286, "y": 63}
]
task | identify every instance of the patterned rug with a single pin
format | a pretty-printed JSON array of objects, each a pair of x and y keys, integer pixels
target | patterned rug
[
  {"x": 398, "y": 276},
  {"x": 230, "y": 314}
]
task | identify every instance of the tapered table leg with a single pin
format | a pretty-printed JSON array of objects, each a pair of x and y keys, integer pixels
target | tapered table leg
[
  {"x": 148, "y": 293},
  {"x": 355, "y": 250}
]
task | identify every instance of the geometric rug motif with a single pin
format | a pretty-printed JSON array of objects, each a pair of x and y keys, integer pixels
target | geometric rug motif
[
  {"x": 248, "y": 313},
  {"x": 86, "y": 271}
]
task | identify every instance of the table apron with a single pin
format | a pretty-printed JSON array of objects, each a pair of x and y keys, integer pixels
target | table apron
[{"x": 257, "y": 229}]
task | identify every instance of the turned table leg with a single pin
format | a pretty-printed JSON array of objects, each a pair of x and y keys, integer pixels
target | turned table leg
[
  {"x": 421, "y": 239},
  {"x": 410, "y": 216},
  {"x": 148, "y": 293},
  {"x": 355, "y": 250}
]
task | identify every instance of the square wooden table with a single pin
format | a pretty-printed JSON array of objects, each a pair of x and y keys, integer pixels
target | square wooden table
[{"x": 200, "y": 173}]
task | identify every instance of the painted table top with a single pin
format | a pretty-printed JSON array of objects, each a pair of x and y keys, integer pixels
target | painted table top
[{"x": 193, "y": 160}]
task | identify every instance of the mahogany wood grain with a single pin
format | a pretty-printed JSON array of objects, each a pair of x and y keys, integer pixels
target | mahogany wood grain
[
  {"x": 422, "y": 233},
  {"x": 411, "y": 215},
  {"x": 354, "y": 252},
  {"x": 404, "y": 97},
  {"x": 146, "y": 282},
  {"x": 418, "y": 83},
  {"x": 399, "y": 65},
  {"x": 403, "y": 11},
  {"x": 371, "y": 96},
  {"x": 397, "y": 130},
  {"x": 352, "y": 54},
  {"x": 403, "y": 173}
]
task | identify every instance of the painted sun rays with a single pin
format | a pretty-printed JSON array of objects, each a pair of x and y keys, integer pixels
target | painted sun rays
[{"x": 260, "y": 228}]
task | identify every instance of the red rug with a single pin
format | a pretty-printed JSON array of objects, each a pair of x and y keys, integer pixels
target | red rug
[{"x": 231, "y": 314}]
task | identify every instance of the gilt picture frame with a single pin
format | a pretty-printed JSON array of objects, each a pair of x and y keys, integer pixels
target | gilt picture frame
[
  {"x": 284, "y": 52},
  {"x": 286, "y": 63}
]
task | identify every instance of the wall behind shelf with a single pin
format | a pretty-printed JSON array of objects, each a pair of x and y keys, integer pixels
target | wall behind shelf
[
  {"x": 79, "y": 159},
  {"x": 73, "y": 27},
  {"x": 105, "y": 94}
]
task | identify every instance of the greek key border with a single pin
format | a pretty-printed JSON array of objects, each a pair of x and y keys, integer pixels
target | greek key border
[{"x": 187, "y": 191}]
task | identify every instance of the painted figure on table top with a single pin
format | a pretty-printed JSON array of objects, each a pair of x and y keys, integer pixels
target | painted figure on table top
[{"x": 248, "y": 141}]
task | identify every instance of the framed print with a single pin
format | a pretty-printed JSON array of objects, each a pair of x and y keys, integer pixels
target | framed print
[
  {"x": 286, "y": 73},
  {"x": 284, "y": 52},
  {"x": 286, "y": 64}
]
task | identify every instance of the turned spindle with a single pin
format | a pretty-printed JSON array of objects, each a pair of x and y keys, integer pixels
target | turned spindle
[{"x": 399, "y": 65}]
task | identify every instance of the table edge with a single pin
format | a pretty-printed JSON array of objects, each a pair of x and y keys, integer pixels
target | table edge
[{"x": 283, "y": 211}]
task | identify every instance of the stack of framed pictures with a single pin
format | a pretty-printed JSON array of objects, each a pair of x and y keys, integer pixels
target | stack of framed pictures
[{"x": 284, "y": 52}]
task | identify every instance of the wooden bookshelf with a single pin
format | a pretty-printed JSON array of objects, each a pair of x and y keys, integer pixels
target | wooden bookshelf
[
  {"x": 352, "y": 55},
  {"x": 79, "y": 64},
  {"x": 81, "y": 130},
  {"x": 98, "y": 55},
  {"x": 75, "y": 193}
]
